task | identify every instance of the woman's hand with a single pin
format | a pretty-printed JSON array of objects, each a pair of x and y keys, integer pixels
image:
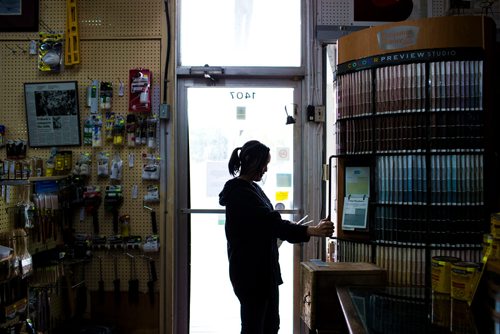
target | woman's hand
[{"x": 325, "y": 228}]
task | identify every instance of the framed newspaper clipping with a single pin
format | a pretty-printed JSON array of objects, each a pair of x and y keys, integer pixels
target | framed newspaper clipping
[{"x": 52, "y": 113}]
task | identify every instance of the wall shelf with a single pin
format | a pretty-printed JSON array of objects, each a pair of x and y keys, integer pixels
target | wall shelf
[{"x": 21, "y": 182}]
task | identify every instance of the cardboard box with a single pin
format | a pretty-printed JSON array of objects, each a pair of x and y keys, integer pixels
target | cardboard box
[{"x": 320, "y": 308}]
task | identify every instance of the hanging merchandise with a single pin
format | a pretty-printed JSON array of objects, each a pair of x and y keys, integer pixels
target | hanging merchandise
[
  {"x": 88, "y": 127},
  {"x": 82, "y": 165},
  {"x": 24, "y": 258},
  {"x": 99, "y": 242},
  {"x": 105, "y": 95},
  {"x": 33, "y": 47},
  {"x": 82, "y": 242},
  {"x": 92, "y": 100},
  {"x": 118, "y": 130},
  {"x": 153, "y": 194},
  {"x": 151, "y": 243},
  {"x": 68, "y": 161},
  {"x": 92, "y": 198},
  {"x": 133, "y": 283},
  {"x": 141, "y": 131},
  {"x": 154, "y": 226},
  {"x": 121, "y": 88},
  {"x": 3, "y": 176},
  {"x": 131, "y": 160},
  {"x": 72, "y": 54},
  {"x": 130, "y": 129},
  {"x": 151, "y": 280},
  {"x": 140, "y": 84},
  {"x": 133, "y": 242},
  {"x": 108, "y": 127},
  {"x": 116, "y": 168},
  {"x": 144, "y": 132},
  {"x": 103, "y": 164},
  {"x": 97, "y": 131},
  {"x": 50, "y": 52},
  {"x": 16, "y": 149},
  {"x": 50, "y": 163},
  {"x": 115, "y": 241},
  {"x": 125, "y": 225},
  {"x": 112, "y": 202},
  {"x": 151, "y": 126},
  {"x": 100, "y": 284},
  {"x": 59, "y": 163},
  {"x": 63, "y": 161},
  {"x": 151, "y": 167},
  {"x": 37, "y": 166},
  {"x": 2, "y": 135},
  {"x": 117, "y": 293},
  {"x": 134, "y": 191}
]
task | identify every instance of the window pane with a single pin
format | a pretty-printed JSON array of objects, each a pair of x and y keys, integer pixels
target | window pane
[
  {"x": 240, "y": 33},
  {"x": 221, "y": 119}
]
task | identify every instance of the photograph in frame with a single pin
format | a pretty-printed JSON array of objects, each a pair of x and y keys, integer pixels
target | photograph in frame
[{"x": 52, "y": 113}]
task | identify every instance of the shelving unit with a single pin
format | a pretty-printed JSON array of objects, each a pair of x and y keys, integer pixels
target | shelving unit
[
  {"x": 20, "y": 182},
  {"x": 415, "y": 106}
]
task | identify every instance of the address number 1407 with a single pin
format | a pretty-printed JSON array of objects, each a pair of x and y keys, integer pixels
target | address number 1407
[{"x": 242, "y": 95}]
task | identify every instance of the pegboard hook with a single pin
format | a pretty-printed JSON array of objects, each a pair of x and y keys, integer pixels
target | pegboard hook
[
  {"x": 46, "y": 26},
  {"x": 20, "y": 48},
  {"x": 11, "y": 49},
  {"x": 147, "y": 258}
]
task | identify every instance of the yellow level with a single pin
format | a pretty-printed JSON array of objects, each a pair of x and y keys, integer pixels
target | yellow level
[{"x": 72, "y": 54}]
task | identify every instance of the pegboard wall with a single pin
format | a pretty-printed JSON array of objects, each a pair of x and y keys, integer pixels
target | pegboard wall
[
  {"x": 341, "y": 12},
  {"x": 338, "y": 12},
  {"x": 115, "y": 36},
  {"x": 335, "y": 18}
]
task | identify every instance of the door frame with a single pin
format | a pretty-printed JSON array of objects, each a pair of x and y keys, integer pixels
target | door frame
[{"x": 182, "y": 208}]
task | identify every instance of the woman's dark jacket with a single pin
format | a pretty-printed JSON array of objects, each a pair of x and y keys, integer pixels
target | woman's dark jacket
[{"x": 252, "y": 230}]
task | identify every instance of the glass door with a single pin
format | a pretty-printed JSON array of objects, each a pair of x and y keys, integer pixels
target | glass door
[{"x": 219, "y": 119}]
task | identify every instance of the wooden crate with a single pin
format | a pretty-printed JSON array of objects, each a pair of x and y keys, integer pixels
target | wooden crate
[{"x": 320, "y": 307}]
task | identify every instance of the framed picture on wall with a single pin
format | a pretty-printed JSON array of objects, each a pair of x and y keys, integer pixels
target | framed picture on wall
[
  {"x": 19, "y": 15},
  {"x": 52, "y": 113}
]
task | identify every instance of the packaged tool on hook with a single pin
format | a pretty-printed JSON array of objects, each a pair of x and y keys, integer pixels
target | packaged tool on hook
[
  {"x": 133, "y": 242},
  {"x": 92, "y": 96},
  {"x": 151, "y": 244},
  {"x": 151, "y": 167},
  {"x": 125, "y": 225},
  {"x": 140, "y": 85},
  {"x": 50, "y": 52},
  {"x": 105, "y": 95},
  {"x": 130, "y": 129},
  {"x": 92, "y": 199},
  {"x": 113, "y": 200}
]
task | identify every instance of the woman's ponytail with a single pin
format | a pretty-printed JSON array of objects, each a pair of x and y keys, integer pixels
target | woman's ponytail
[{"x": 234, "y": 164}]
